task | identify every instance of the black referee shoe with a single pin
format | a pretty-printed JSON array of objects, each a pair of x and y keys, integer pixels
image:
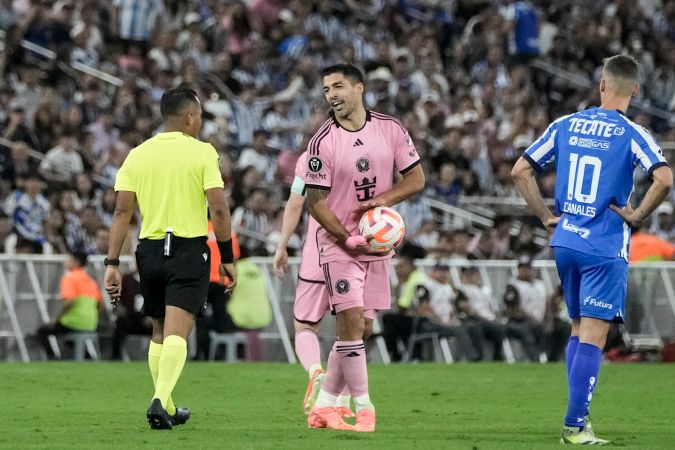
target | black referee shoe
[
  {"x": 158, "y": 418},
  {"x": 182, "y": 415}
]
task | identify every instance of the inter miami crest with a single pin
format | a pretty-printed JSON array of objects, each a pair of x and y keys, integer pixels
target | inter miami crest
[
  {"x": 342, "y": 286},
  {"x": 362, "y": 164},
  {"x": 315, "y": 164}
]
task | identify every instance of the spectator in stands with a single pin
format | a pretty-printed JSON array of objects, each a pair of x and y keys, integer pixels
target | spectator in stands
[
  {"x": 5, "y": 230},
  {"x": 439, "y": 314},
  {"x": 448, "y": 186},
  {"x": 662, "y": 222},
  {"x": 259, "y": 156},
  {"x": 479, "y": 312},
  {"x": 557, "y": 327},
  {"x": 416, "y": 213},
  {"x": 525, "y": 306},
  {"x": 29, "y": 208},
  {"x": 252, "y": 216},
  {"x": 397, "y": 322},
  {"x": 54, "y": 231},
  {"x": 101, "y": 239},
  {"x": 84, "y": 189},
  {"x": 82, "y": 303},
  {"x": 105, "y": 134},
  {"x": 62, "y": 162},
  {"x": 17, "y": 129},
  {"x": 648, "y": 247},
  {"x": 81, "y": 234},
  {"x": 135, "y": 23}
]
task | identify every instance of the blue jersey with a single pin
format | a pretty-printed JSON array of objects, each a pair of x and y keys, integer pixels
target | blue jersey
[{"x": 595, "y": 152}]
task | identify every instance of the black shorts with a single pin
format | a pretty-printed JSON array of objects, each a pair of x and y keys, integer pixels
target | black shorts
[{"x": 181, "y": 280}]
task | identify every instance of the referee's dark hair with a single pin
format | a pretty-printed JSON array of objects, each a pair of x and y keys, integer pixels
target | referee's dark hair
[
  {"x": 348, "y": 70},
  {"x": 174, "y": 100},
  {"x": 622, "y": 66}
]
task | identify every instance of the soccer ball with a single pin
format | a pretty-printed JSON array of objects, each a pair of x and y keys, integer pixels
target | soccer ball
[{"x": 385, "y": 225}]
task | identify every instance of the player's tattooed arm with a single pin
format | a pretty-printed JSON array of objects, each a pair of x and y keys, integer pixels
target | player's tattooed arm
[{"x": 319, "y": 209}]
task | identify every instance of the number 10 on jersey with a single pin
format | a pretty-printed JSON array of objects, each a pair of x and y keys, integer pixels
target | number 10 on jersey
[{"x": 575, "y": 183}]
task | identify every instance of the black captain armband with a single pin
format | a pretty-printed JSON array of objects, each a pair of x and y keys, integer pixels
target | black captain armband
[{"x": 225, "y": 249}]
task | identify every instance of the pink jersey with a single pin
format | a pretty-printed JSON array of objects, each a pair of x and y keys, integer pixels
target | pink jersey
[
  {"x": 310, "y": 270},
  {"x": 355, "y": 166}
]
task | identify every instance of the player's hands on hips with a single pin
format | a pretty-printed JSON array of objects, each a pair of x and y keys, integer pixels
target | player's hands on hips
[
  {"x": 280, "y": 262},
  {"x": 228, "y": 271},
  {"x": 551, "y": 223},
  {"x": 360, "y": 244},
  {"x": 628, "y": 214},
  {"x": 112, "y": 281}
]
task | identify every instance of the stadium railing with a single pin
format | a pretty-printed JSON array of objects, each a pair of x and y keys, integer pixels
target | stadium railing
[{"x": 29, "y": 291}]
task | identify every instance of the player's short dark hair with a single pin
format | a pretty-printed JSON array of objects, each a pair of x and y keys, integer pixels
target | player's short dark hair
[
  {"x": 80, "y": 257},
  {"x": 176, "y": 99},
  {"x": 348, "y": 70},
  {"x": 623, "y": 66}
]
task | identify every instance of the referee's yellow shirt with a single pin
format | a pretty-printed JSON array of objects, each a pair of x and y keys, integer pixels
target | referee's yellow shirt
[{"x": 170, "y": 173}]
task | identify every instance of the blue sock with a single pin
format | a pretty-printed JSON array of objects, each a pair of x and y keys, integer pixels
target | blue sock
[
  {"x": 582, "y": 381},
  {"x": 572, "y": 345}
]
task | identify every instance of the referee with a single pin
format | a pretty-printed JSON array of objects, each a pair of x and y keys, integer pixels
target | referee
[{"x": 171, "y": 176}]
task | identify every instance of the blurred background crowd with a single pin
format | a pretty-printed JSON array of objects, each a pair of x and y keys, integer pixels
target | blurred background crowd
[{"x": 474, "y": 81}]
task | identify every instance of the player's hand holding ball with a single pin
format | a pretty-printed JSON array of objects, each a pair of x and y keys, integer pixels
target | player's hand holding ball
[{"x": 382, "y": 229}]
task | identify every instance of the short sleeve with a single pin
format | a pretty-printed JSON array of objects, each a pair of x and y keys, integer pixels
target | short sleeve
[
  {"x": 68, "y": 287},
  {"x": 543, "y": 151},
  {"x": 317, "y": 171},
  {"x": 124, "y": 180},
  {"x": 405, "y": 154},
  {"x": 646, "y": 152},
  {"x": 211, "y": 170}
]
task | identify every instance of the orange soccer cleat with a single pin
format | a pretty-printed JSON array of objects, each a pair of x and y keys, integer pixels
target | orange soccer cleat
[
  {"x": 313, "y": 389},
  {"x": 327, "y": 418},
  {"x": 345, "y": 412},
  {"x": 365, "y": 421}
]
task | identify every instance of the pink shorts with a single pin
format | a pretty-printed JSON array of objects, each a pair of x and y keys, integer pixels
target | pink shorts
[
  {"x": 311, "y": 301},
  {"x": 353, "y": 284}
]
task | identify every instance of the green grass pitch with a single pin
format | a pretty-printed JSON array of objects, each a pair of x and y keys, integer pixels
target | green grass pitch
[{"x": 461, "y": 406}]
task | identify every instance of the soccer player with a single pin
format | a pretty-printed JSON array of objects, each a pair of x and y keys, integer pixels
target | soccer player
[
  {"x": 350, "y": 169},
  {"x": 595, "y": 152},
  {"x": 171, "y": 177},
  {"x": 311, "y": 295}
]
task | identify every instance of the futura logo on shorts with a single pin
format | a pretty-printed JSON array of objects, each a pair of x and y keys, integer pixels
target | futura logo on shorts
[{"x": 598, "y": 303}]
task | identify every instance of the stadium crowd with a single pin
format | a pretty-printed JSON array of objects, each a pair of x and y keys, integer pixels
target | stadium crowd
[{"x": 457, "y": 73}]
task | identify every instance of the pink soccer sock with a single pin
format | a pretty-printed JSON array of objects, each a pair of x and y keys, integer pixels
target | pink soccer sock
[
  {"x": 335, "y": 380},
  {"x": 352, "y": 358},
  {"x": 307, "y": 348}
]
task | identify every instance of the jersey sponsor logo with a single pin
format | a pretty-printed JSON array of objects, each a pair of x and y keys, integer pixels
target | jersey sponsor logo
[
  {"x": 589, "y": 143},
  {"x": 408, "y": 140},
  {"x": 597, "y": 303},
  {"x": 598, "y": 128},
  {"x": 581, "y": 231},
  {"x": 342, "y": 286},
  {"x": 315, "y": 176},
  {"x": 362, "y": 164},
  {"x": 358, "y": 143},
  {"x": 314, "y": 164},
  {"x": 365, "y": 190}
]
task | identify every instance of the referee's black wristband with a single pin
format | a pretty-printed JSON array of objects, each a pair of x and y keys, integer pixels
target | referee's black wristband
[{"x": 225, "y": 249}]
